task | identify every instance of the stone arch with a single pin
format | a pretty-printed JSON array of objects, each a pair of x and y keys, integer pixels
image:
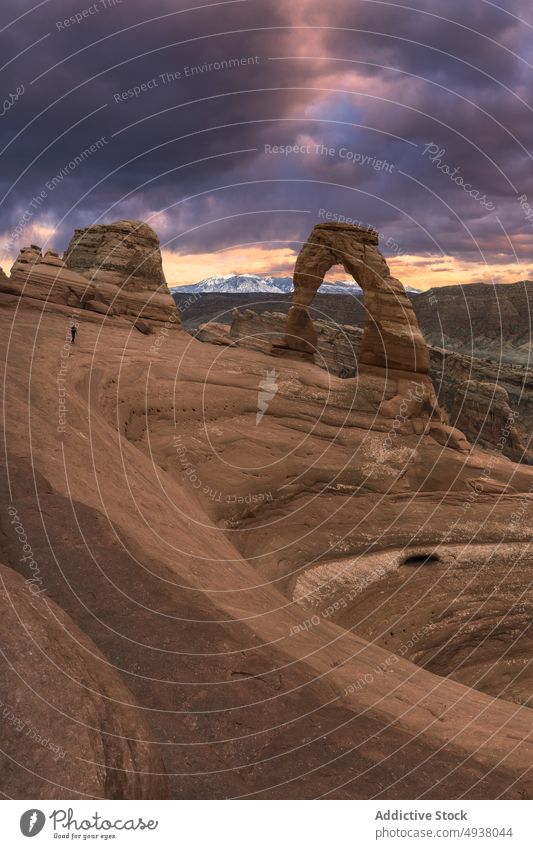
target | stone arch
[{"x": 392, "y": 338}]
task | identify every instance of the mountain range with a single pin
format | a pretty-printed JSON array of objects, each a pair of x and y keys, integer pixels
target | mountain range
[{"x": 254, "y": 283}]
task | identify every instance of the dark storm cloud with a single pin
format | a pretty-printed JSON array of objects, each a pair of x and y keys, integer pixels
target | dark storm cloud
[
  {"x": 100, "y": 76},
  {"x": 184, "y": 134}
]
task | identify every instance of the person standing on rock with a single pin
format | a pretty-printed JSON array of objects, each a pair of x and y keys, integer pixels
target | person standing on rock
[{"x": 73, "y": 331}]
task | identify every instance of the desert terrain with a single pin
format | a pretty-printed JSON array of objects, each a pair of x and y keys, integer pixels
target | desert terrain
[{"x": 229, "y": 572}]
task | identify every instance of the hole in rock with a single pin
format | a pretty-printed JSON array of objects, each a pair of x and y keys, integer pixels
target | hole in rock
[
  {"x": 421, "y": 559},
  {"x": 463, "y": 621}
]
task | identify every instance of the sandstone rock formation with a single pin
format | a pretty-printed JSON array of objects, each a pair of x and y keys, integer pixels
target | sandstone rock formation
[
  {"x": 482, "y": 411},
  {"x": 140, "y": 300},
  {"x": 45, "y": 277},
  {"x": 480, "y": 319},
  {"x": 27, "y": 258},
  {"x": 392, "y": 338},
  {"x": 337, "y": 346},
  {"x": 481, "y": 638},
  {"x": 465, "y": 386},
  {"x": 69, "y": 726},
  {"x": 177, "y": 532},
  {"x": 452, "y": 371},
  {"x": 490, "y": 322},
  {"x": 298, "y": 579},
  {"x": 124, "y": 253}
]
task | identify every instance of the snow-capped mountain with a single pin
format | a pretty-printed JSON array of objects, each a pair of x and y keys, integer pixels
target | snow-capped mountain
[
  {"x": 252, "y": 283},
  {"x": 231, "y": 283}
]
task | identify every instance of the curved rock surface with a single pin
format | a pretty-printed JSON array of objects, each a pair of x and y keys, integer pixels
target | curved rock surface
[
  {"x": 174, "y": 524},
  {"x": 436, "y": 605},
  {"x": 70, "y": 728},
  {"x": 125, "y": 253},
  {"x": 337, "y": 346},
  {"x": 482, "y": 411},
  {"x": 143, "y": 302},
  {"x": 487, "y": 412},
  {"x": 493, "y": 415},
  {"x": 46, "y": 274}
]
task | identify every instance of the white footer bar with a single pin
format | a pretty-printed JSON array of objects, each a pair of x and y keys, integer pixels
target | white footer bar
[{"x": 269, "y": 824}]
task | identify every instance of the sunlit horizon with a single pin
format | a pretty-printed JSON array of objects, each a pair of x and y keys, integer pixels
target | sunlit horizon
[{"x": 418, "y": 271}]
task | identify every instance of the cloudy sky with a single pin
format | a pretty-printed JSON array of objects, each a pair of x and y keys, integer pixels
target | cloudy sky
[{"x": 232, "y": 127}]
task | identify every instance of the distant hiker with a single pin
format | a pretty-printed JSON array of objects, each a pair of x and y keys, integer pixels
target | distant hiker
[{"x": 73, "y": 331}]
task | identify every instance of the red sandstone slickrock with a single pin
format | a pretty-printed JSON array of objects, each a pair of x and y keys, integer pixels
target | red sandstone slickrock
[
  {"x": 109, "y": 269},
  {"x": 189, "y": 540},
  {"x": 392, "y": 337}
]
